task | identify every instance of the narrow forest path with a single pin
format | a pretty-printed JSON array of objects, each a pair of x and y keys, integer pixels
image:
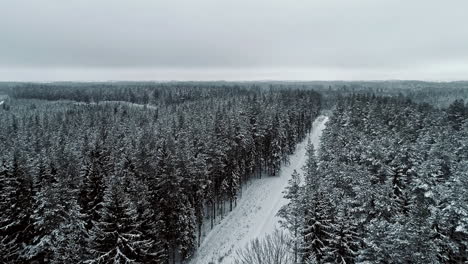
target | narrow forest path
[{"x": 255, "y": 214}]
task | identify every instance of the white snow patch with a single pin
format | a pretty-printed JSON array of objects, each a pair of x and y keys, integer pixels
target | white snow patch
[
  {"x": 461, "y": 228},
  {"x": 255, "y": 214},
  {"x": 429, "y": 194},
  {"x": 2, "y": 102}
]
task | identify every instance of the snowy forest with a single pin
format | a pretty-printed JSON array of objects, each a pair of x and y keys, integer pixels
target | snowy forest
[
  {"x": 389, "y": 185},
  {"x": 141, "y": 172}
]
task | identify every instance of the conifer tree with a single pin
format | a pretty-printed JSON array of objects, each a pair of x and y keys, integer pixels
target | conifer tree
[
  {"x": 316, "y": 227},
  {"x": 9, "y": 245},
  {"x": 96, "y": 167},
  {"x": 49, "y": 212},
  {"x": 115, "y": 237},
  {"x": 17, "y": 206},
  {"x": 344, "y": 241},
  {"x": 291, "y": 212},
  {"x": 178, "y": 227},
  {"x": 70, "y": 237}
]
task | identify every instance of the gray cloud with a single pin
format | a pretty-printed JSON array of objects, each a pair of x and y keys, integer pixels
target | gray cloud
[{"x": 342, "y": 36}]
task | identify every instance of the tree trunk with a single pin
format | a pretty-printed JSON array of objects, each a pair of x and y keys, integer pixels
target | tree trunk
[
  {"x": 199, "y": 233},
  {"x": 173, "y": 255},
  {"x": 214, "y": 212},
  {"x": 211, "y": 214},
  {"x": 295, "y": 242},
  {"x": 222, "y": 206}
]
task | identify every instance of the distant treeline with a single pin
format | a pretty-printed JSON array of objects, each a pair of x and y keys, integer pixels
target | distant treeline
[{"x": 438, "y": 94}]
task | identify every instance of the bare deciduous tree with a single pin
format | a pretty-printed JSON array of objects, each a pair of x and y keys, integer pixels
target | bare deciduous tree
[{"x": 272, "y": 249}]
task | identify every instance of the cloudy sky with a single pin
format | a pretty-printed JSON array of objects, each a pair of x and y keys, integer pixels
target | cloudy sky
[{"x": 233, "y": 40}]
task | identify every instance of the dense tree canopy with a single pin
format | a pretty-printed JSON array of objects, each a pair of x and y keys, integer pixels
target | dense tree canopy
[
  {"x": 131, "y": 174},
  {"x": 390, "y": 185}
]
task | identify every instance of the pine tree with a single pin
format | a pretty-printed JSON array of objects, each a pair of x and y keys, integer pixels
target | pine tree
[
  {"x": 69, "y": 238},
  {"x": 178, "y": 226},
  {"x": 310, "y": 167},
  {"x": 16, "y": 204},
  {"x": 291, "y": 212},
  {"x": 151, "y": 228},
  {"x": 344, "y": 242},
  {"x": 316, "y": 228},
  {"x": 9, "y": 246},
  {"x": 457, "y": 113},
  {"x": 147, "y": 215},
  {"x": 95, "y": 169},
  {"x": 49, "y": 212},
  {"x": 401, "y": 179},
  {"x": 199, "y": 185},
  {"x": 115, "y": 237},
  {"x": 382, "y": 244}
]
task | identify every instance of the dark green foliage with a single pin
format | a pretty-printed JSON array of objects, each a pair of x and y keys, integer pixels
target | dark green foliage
[
  {"x": 17, "y": 207},
  {"x": 116, "y": 237},
  {"x": 179, "y": 151},
  {"x": 395, "y": 176}
]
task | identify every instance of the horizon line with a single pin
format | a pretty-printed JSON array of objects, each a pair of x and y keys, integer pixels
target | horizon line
[{"x": 236, "y": 81}]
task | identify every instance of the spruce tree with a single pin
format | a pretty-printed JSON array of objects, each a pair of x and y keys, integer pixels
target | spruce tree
[
  {"x": 49, "y": 212},
  {"x": 95, "y": 170},
  {"x": 178, "y": 226},
  {"x": 17, "y": 208},
  {"x": 115, "y": 237},
  {"x": 291, "y": 213},
  {"x": 9, "y": 244}
]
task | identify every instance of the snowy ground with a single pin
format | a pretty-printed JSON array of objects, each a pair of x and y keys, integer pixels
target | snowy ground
[{"x": 255, "y": 214}]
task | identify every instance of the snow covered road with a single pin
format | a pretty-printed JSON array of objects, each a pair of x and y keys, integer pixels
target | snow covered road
[{"x": 255, "y": 214}]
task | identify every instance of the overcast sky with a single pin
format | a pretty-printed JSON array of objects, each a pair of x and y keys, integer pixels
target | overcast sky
[{"x": 233, "y": 40}]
